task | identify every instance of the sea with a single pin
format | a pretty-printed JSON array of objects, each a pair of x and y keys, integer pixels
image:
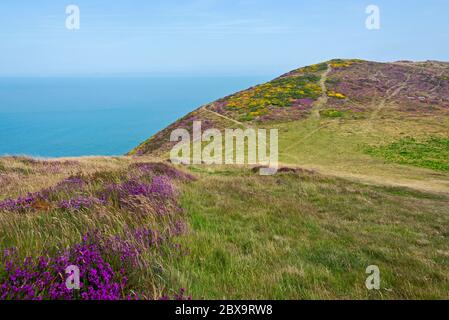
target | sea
[{"x": 100, "y": 115}]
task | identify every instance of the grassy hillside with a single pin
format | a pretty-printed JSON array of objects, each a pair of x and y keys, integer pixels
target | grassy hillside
[
  {"x": 364, "y": 181},
  {"x": 338, "y": 89},
  {"x": 306, "y": 236},
  {"x": 332, "y": 117},
  {"x": 218, "y": 232}
]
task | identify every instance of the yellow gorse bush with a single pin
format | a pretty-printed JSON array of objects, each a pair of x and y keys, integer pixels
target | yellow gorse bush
[
  {"x": 336, "y": 95},
  {"x": 282, "y": 92}
]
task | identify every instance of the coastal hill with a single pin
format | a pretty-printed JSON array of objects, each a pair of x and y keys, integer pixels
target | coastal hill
[
  {"x": 347, "y": 89},
  {"x": 363, "y": 181},
  {"x": 349, "y": 118}
]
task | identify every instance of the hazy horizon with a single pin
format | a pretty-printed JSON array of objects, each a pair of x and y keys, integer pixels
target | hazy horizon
[
  {"x": 213, "y": 37},
  {"x": 84, "y": 116}
]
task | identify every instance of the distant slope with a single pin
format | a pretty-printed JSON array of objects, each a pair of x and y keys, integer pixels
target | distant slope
[{"x": 334, "y": 89}]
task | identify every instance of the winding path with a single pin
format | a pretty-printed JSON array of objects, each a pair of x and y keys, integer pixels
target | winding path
[
  {"x": 324, "y": 98},
  {"x": 320, "y": 103},
  {"x": 389, "y": 94}
]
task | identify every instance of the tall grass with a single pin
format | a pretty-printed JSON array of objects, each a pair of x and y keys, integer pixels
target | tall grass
[
  {"x": 306, "y": 236},
  {"x": 131, "y": 209}
]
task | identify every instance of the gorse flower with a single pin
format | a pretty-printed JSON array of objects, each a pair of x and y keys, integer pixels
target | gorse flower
[{"x": 283, "y": 92}]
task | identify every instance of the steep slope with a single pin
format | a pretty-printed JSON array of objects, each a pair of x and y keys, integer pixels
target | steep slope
[
  {"x": 353, "y": 89},
  {"x": 289, "y": 97}
]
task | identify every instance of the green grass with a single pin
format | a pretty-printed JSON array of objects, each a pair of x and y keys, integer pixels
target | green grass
[
  {"x": 338, "y": 147},
  {"x": 288, "y": 236},
  {"x": 311, "y": 236},
  {"x": 307, "y": 236},
  {"x": 432, "y": 153},
  {"x": 331, "y": 113}
]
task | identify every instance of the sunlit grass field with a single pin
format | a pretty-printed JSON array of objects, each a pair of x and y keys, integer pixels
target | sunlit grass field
[
  {"x": 356, "y": 147},
  {"x": 295, "y": 235},
  {"x": 306, "y": 236}
]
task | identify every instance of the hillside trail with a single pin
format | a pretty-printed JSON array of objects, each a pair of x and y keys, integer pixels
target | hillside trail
[
  {"x": 315, "y": 113},
  {"x": 432, "y": 185},
  {"x": 322, "y": 101},
  {"x": 224, "y": 117},
  {"x": 389, "y": 94},
  {"x": 436, "y": 186}
]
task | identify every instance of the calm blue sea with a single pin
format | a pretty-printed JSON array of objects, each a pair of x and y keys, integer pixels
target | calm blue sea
[{"x": 59, "y": 117}]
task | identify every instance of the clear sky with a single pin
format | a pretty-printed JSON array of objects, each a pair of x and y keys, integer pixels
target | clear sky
[{"x": 213, "y": 36}]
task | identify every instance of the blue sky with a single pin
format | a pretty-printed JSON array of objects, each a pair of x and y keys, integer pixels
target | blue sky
[{"x": 213, "y": 36}]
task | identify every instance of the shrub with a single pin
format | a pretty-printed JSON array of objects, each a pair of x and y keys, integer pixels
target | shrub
[{"x": 331, "y": 113}]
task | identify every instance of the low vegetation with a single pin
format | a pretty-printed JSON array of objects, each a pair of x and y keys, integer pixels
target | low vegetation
[
  {"x": 331, "y": 113},
  {"x": 144, "y": 230},
  {"x": 432, "y": 153},
  {"x": 116, "y": 225},
  {"x": 300, "y": 235},
  {"x": 280, "y": 93},
  {"x": 364, "y": 181}
]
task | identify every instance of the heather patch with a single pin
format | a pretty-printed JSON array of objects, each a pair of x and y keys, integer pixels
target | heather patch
[
  {"x": 72, "y": 183},
  {"x": 161, "y": 143},
  {"x": 412, "y": 87},
  {"x": 78, "y": 192},
  {"x": 46, "y": 198},
  {"x": 79, "y": 203},
  {"x": 105, "y": 265},
  {"x": 19, "y": 204},
  {"x": 44, "y": 277},
  {"x": 122, "y": 259},
  {"x": 432, "y": 153},
  {"x": 163, "y": 169},
  {"x": 157, "y": 197}
]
